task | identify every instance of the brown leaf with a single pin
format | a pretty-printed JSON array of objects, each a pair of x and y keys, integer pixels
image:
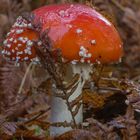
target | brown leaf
[
  {"x": 102, "y": 131},
  {"x": 8, "y": 128},
  {"x": 94, "y": 99},
  {"x": 128, "y": 122},
  {"x": 77, "y": 135},
  {"x": 130, "y": 133}
]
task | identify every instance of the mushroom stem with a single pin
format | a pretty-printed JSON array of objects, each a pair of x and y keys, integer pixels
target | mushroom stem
[{"x": 59, "y": 111}]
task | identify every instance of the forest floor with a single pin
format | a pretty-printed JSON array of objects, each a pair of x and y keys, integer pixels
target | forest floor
[{"x": 113, "y": 115}]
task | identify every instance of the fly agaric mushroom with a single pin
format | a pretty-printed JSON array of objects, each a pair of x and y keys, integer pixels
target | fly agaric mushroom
[{"x": 84, "y": 37}]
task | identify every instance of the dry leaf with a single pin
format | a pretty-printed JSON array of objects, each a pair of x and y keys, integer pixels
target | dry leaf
[{"x": 77, "y": 135}]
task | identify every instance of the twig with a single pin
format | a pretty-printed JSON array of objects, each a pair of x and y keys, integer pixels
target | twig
[
  {"x": 105, "y": 88},
  {"x": 110, "y": 88},
  {"x": 35, "y": 117},
  {"x": 118, "y": 5},
  {"x": 24, "y": 78},
  {"x": 64, "y": 124}
]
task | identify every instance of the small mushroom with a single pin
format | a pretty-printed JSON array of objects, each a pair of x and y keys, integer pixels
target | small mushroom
[
  {"x": 18, "y": 46},
  {"x": 84, "y": 37}
]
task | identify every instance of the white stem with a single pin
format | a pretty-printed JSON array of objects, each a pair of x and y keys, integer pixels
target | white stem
[{"x": 59, "y": 111}]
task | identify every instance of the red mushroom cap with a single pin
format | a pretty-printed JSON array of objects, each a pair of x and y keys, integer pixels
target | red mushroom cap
[
  {"x": 18, "y": 45},
  {"x": 79, "y": 31}
]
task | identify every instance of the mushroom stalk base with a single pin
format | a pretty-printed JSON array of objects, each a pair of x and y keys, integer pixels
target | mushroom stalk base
[{"x": 59, "y": 111}]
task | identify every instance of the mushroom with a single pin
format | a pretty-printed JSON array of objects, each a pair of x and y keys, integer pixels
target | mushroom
[{"x": 84, "y": 37}]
